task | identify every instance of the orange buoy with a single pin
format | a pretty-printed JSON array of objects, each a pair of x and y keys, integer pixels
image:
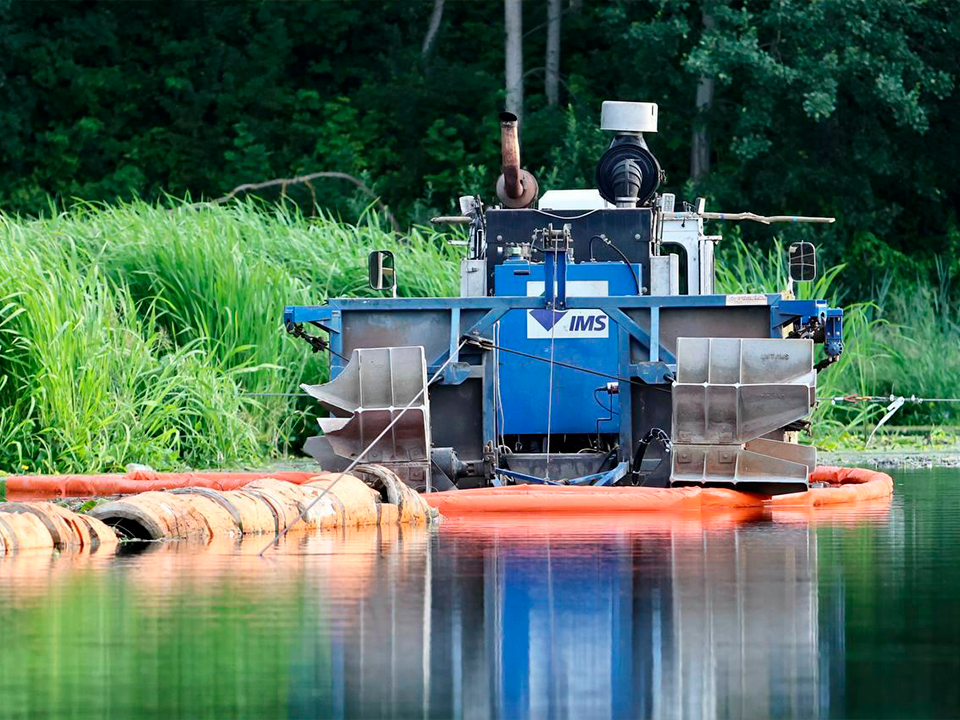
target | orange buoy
[
  {"x": 285, "y": 499},
  {"x": 576, "y": 499},
  {"x": 843, "y": 485},
  {"x": 23, "y": 531},
  {"x": 347, "y": 502},
  {"x": 101, "y": 535},
  {"x": 413, "y": 508},
  {"x": 250, "y": 514},
  {"x": 64, "y": 533},
  {"x": 33, "y": 487},
  {"x": 153, "y": 516}
]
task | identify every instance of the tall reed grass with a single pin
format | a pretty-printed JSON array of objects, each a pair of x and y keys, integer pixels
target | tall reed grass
[
  {"x": 899, "y": 343},
  {"x": 89, "y": 380},
  {"x": 134, "y": 333},
  {"x": 116, "y": 322}
]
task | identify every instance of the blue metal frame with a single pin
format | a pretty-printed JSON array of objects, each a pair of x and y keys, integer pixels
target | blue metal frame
[
  {"x": 659, "y": 369},
  {"x": 328, "y": 317},
  {"x": 555, "y": 267}
]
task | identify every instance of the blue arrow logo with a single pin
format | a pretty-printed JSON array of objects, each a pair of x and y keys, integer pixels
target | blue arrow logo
[{"x": 548, "y": 318}]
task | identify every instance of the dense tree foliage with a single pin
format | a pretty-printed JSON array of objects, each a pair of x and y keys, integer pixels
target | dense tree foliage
[{"x": 842, "y": 107}]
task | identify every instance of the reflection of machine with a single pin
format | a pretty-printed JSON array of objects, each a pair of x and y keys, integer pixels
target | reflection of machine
[
  {"x": 586, "y": 330},
  {"x": 648, "y": 619}
]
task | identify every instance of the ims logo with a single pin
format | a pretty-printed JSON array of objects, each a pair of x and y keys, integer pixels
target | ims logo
[
  {"x": 588, "y": 323},
  {"x": 543, "y": 324}
]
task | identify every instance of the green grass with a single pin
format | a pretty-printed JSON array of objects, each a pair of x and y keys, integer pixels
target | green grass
[
  {"x": 135, "y": 333},
  {"x": 898, "y": 344}
]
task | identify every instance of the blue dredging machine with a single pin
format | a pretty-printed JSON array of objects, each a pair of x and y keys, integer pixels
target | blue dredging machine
[{"x": 587, "y": 331}]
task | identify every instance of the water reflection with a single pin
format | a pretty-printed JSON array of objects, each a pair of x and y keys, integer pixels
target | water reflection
[
  {"x": 724, "y": 616},
  {"x": 597, "y": 617}
]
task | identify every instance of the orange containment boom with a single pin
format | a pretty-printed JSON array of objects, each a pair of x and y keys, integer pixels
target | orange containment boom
[
  {"x": 45, "y": 526},
  {"x": 78, "y": 486},
  {"x": 844, "y": 485},
  {"x": 267, "y": 506}
]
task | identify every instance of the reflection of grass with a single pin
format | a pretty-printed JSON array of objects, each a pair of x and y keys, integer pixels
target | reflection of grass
[
  {"x": 108, "y": 643},
  {"x": 899, "y": 344}
]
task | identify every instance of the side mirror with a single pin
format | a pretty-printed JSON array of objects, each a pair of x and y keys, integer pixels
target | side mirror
[
  {"x": 382, "y": 270},
  {"x": 803, "y": 262}
]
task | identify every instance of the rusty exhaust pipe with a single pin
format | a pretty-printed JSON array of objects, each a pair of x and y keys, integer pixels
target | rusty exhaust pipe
[
  {"x": 510, "y": 151},
  {"x": 516, "y": 188}
]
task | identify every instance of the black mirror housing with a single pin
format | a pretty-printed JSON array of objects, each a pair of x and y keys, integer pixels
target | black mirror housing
[{"x": 803, "y": 262}]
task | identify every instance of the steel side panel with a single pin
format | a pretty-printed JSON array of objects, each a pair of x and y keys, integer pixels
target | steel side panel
[
  {"x": 398, "y": 328},
  {"x": 734, "y": 322}
]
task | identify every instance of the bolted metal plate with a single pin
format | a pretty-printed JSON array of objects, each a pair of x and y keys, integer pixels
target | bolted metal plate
[
  {"x": 732, "y": 390},
  {"x": 728, "y": 394},
  {"x": 372, "y": 390}
]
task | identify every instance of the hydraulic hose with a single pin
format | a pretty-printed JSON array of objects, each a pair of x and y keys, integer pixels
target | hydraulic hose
[{"x": 606, "y": 241}]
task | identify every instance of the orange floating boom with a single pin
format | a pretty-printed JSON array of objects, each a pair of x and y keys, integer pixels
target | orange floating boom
[
  {"x": 137, "y": 481},
  {"x": 845, "y": 485}
]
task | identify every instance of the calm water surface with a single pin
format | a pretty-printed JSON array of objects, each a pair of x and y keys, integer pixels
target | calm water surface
[{"x": 846, "y": 613}]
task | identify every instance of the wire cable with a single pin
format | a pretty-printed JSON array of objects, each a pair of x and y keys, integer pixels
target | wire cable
[
  {"x": 854, "y": 398},
  {"x": 499, "y": 415},
  {"x": 487, "y": 344},
  {"x": 606, "y": 241},
  {"x": 356, "y": 461},
  {"x": 572, "y": 217}
]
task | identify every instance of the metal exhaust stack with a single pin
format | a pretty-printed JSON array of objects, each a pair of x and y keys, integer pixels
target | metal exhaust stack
[{"x": 516, "y": 188}]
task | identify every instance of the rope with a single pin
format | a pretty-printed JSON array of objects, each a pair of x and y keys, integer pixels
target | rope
[
  {"x": 895, "y": 403},
  {"x": 854, "y": 398},
  {"x": 553, "y": 329},
  {"x": 356, "y": 461}
]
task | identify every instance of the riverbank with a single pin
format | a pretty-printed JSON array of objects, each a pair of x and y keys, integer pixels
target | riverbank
[
  {"x": 910, "y": 459},
  {"x": 145, "y": 334}
]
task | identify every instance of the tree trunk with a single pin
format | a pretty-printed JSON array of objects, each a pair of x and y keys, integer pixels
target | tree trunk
[
  {"x": 513, "y": 24},
  {"x": 700, "y": 146},
  {"x": 552, "y": 83},
  {"x": 436, "y": 17}
]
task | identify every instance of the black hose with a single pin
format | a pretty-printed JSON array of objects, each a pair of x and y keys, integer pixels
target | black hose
[
  {"x": 609, "y": 408},
  {"x": 626, "y": 260},
  {"x": 665, "y": 443},
  {"x": 606, "y": 458}
]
